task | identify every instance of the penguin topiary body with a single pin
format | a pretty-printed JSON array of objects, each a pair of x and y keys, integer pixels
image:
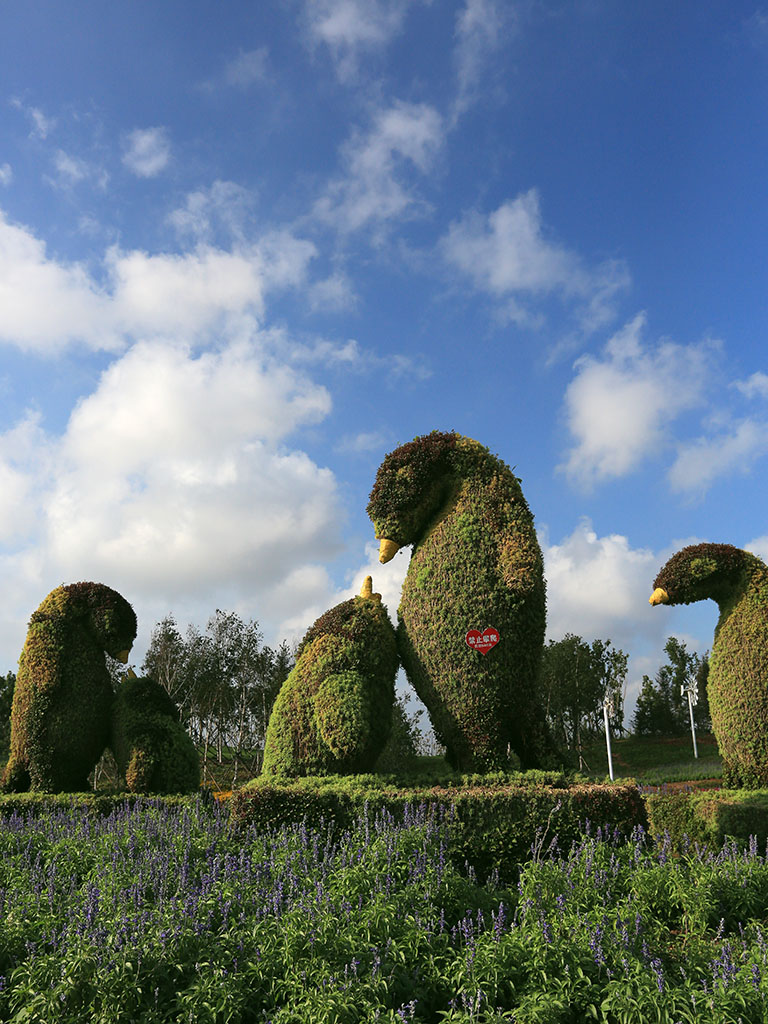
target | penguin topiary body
[
  {"x": 737, "y": 687},
  {"x": 152, "y": 750},
  {"x": 333, "y": 713},
  {"x": 62, "y": 704},
  {"x": 476, "y": 563}
]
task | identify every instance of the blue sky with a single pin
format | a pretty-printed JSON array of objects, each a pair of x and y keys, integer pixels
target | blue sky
[{"x": 247, "y": 249}]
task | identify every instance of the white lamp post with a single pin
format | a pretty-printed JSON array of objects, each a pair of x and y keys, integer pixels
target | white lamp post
[
  {"x": 692, "y": 691},
  {"x": 607, "y": 709}
]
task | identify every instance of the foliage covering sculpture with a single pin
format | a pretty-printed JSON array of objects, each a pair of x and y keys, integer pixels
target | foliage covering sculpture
[
  {"x": 334, "y": 711},
  {"x": 476, "y": 563},
  {"x": 60, "y": 718},
  {"x": 152, "y": 750},
  {"x": 738, "y": 664}
]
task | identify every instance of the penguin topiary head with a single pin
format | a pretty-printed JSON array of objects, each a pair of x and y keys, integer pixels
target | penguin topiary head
[
  {"x": 699, "y": 572},
  {"x": 411, "y": 484}
]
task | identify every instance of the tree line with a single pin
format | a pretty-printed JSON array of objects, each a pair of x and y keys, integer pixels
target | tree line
[{"x": 224, "y": 681}]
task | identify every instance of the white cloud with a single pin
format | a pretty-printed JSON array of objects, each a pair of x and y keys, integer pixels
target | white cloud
[
  {"x": 6, "y": 174},
  {"x": 699, "y": 463},
  {"x": 332, "y": 293},
  {"x": 364, "y": 442},
  {"x": 224, "y": 205},
  {"x": 374, "y": 191},
  {"x": 42, "y": 126},
  {"x": 755, "y": 386},
  {"x": 173, "y": 482},
  {"x": 72, "y": 170},
  {"x": 479, "y": 32},
  {"x": 351, "y": 27},
  {"x": 599, "y": 587},
  {"x": 508, "y": 254},
  {"x": 620, "y": 406},
  {"x": 759, "y": 547},
  {"x": 147, "y": 151},
  {"x": 46, "y": 304},
  {"x": 246, "y": 68}
]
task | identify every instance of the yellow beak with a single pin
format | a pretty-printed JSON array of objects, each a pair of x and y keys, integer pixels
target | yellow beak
[
  {"x": 659, "y": 596},
  {"x": 387, "y": 549}
]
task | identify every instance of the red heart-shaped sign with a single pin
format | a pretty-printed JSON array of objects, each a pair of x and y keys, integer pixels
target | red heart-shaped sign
[{"x": 483, "y": 640}]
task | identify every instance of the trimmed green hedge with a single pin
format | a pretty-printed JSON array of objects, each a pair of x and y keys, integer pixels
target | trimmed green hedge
[
  {"x": 709, "y": 816},
  {"x": 498, "y": 821},
  {"x": 94, "y": 803}
]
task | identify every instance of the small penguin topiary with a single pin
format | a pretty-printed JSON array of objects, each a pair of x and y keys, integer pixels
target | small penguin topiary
[
  {"x": 333, "y": 713},
  {"x": 152, "y": 750},
  {"x": 62, "y": 704},
  {"x": 476, "y": 570},
  {"x": 737, "y": 688}
]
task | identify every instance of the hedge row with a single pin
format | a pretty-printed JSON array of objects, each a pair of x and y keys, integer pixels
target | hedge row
[{"x": 498, "y": 821}]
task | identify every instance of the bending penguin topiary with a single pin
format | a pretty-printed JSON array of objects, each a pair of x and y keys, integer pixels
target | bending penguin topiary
[
  {"x": 62, "y": 704},
  {"x": 476, "y": 563},
  {"x": 333, "y": 713},
  {"x": 737, "y": 687},
  {"x": 152, "y": 750}
]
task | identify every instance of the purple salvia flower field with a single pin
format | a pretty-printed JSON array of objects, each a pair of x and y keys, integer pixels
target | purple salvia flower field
[{"x": 159, "y": 913}]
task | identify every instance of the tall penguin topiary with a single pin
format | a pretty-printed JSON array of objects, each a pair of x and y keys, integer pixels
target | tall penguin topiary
[
  {"x": 60, "y": 718},
  {"x": 334, "y": 711},
  {"x": 152, "y": 749},
  {"x": 476, "y": 572},
  {"x": 737, "y": 687}
]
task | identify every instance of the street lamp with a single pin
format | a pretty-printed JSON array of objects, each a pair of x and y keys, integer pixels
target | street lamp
[
  {"x": 608, "y": 709},
  {"x": 692, "y": 692}
]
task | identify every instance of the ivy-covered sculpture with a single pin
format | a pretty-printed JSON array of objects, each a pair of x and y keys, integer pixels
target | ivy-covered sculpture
[
  {"x": 153, "y": 751},
  {"x": 60, "y": 717},
  {"x": 737, "y": 687},
  {"x": 333, "y": 713},
  {"x": 476, "y": 571}
]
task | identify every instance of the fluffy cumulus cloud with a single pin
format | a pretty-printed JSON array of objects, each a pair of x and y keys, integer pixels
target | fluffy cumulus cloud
[
  {"x": 6, "y": 174},
  {"x": 350, "y": 28},
  {"x": 146, "y": 151},
  {"x": 375, "y": 188},
  {"x": 177, "y": 477},
  {"x": 46, "y": 303},
  {"x": 620, "y": 405},
  {"x": 598, "y": 588},
  {"x": 509, "y": 255}
]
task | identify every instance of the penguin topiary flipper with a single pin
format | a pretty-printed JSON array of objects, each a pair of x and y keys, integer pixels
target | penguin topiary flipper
[{"x": 343, "y": 715}]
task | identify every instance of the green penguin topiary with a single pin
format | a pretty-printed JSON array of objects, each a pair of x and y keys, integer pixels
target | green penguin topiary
[
  {"x": 62, "y": 703},
  {"x": 333, "y": 713},
  {"x": 476, "y": 566},
  {"x": 153, "y": 751},
  {"x": 737, "y": 687}
]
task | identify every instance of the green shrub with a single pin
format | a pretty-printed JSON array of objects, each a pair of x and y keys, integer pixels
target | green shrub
[
  {"x": 153, "y": 752},
  {"x": 709, "y": 816}
]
